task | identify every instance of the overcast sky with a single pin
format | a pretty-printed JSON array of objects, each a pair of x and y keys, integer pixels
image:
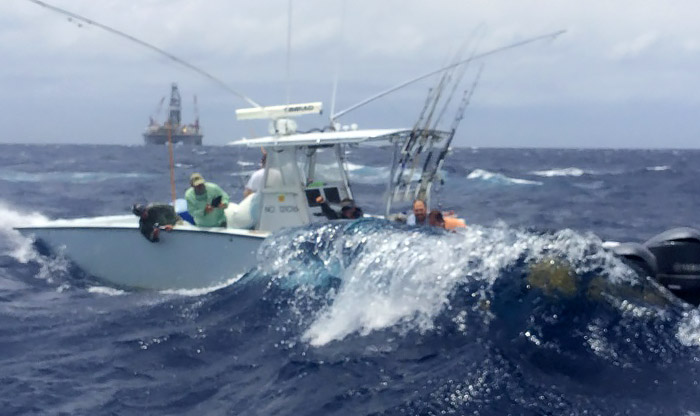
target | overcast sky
[{"x": 626, "y": 73}]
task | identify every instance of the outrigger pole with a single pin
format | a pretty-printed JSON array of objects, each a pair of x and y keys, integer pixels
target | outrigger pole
[
  {"x": 482, "y": 55},
  {"x": 149, "y": 46},
  {"x": 339, "y": 55},
  {"x": 421, "y": 132},
  {"x": 429, "y": 175}
]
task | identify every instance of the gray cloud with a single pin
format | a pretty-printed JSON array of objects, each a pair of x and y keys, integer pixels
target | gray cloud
[{"x": 625, "y": 73}]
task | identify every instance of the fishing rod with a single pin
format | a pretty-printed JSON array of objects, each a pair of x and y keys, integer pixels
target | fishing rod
[
  {"x": 482, "y": 55},
  {"x": 418, "y": 136},
  {"x": 452, "y": 77},
  {"x": 422, "y": 191},
  {"x": 408, "y": 152},
  {"x": 149, "y": 46},
  {"x": 423, "y": 135},
  {"x": 396, "y": 179},
  {"x": 431, "y": 143},
  {"x": 425, "y": 185}
]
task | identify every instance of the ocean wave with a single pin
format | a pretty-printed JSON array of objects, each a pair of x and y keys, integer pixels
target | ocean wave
[
  {"x": 498, "y": 178},
  {"x": 689, "y": 329},
  {"x": 572, "y": 171},
  {"x": 13, "y": 243},
  {"x": 659, "y": 168},
  {"x": 393, "y": 277},
  {"x": 55, "y": 269},
  {"x": 368, "y": 175},
  {"x": 71, "y": 177},
  {"x": 204, "y": 290},
  {"x": 104, "y": 290}
]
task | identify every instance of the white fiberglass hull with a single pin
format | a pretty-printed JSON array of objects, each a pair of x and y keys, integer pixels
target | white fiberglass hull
[{"x": 113, "y": 250}]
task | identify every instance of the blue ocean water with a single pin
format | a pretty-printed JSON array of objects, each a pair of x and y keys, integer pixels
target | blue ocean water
[{"x": 363, "y": 318}]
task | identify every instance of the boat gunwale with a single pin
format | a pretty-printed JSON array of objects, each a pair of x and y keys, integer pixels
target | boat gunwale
[{"x": 229, "y": 232}]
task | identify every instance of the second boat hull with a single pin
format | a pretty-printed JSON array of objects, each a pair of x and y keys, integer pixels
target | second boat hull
[{"x": 185, "y": 258}]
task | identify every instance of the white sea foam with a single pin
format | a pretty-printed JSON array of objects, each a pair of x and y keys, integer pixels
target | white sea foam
[
  {"x": 71, "y": 177},
  {"x": 352, "y": 166},
  {"x": 204, "y": 290},
  {"x": 103, "y": 290},
  {"x": 399, "y": 280},
  {"x": 689, "y": 329},
  {"x": 659, "y": 168},
  {"x": 14, "y": 243},
  {"x": 22, "y": 248},
  {"x": 358, "y": 173},
  {"x": 560, "y": 172},
  {"x": 485, "y": 175}
]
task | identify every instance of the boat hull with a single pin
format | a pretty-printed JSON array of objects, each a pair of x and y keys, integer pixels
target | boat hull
[{"x": 186, "y": 258}]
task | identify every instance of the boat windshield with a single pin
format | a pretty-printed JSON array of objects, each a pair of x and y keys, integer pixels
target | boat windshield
[
  {"x": 282, "y": 170},
  {"x": 326, "y": 167}
]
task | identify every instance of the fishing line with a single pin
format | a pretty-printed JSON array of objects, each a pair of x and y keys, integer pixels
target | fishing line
[
  {"x": 149, "y": 46},
  {"x": 548, "y": 36}
]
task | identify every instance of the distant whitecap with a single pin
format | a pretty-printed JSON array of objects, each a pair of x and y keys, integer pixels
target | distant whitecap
[
  {"x": 70, "y": 177},
  {"x": 560, "y": 172},
  {"x": 498, "y": 178},
  {"x": 658, "y": 168},
  {"x": 103, "y": 290}
]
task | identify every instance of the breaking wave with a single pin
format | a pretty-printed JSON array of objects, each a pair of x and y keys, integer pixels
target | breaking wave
[
  {"x": 560, "y": 172},
  {"x": 498, "y": 178},
  {"x": 71, "y": 177},
  {"x": 659, "y": 168},
  {"x": 12, "y": 242},
  {"x": 479, "y": 314},
  {"x": 355, "y": 279}
]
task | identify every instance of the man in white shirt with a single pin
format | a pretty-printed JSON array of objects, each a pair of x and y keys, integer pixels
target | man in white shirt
[
  {"x": 255, "y": 183},
  {"x": 419, "y": 214}
]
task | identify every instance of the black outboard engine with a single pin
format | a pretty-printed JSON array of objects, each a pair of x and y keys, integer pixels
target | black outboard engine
[
  {"x": 677, "y": 253},
  {"x": 637, "y": 256}
]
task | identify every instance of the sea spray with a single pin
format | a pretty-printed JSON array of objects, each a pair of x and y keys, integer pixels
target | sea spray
[
  {"x": 393, "y": 276},
  {"x": 12, "y": 242}
]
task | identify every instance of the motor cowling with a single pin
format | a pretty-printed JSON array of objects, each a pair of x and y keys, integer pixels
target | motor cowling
[
  {"x": 677, "y": 253},
  {"x": 637, "y": 256}
]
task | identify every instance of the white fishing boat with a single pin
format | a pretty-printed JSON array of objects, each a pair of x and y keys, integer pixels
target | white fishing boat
[{"x": 112, "y": 249}]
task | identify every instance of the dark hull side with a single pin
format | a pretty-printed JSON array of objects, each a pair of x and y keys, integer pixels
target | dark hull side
[{"x": 189, "y": 139}]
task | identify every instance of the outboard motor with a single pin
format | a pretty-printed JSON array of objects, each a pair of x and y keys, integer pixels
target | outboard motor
[
  {"x": 637, "y": 256},
  {"x": 677, "y": 253}
]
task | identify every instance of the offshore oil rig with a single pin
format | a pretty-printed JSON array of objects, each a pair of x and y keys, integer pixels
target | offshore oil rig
[{"x": 157, "y": 133}]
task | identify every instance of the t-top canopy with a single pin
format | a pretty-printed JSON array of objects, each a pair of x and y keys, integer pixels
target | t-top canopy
[{"x": 328, "y": 138}]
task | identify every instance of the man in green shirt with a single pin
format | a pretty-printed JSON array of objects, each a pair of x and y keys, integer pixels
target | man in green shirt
[{"x": 206, "y": 202}]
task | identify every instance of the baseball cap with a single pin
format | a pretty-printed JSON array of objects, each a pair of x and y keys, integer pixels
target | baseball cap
[{"x": 196, "y": 179}]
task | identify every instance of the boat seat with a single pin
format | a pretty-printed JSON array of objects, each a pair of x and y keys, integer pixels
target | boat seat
[{"x": 181, "y": 210}]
